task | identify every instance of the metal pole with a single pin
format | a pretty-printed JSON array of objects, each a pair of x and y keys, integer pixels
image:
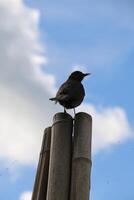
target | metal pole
[
  {"x": 60, "y": 158},
  {"x": 40, "y": 186},
  {"x": 81, "y": 161}
]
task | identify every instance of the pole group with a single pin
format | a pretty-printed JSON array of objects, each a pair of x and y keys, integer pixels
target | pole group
[{"x": 64, "y": 166}]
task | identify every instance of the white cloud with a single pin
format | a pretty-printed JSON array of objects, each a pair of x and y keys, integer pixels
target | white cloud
[
  {"x": 110, "y": 126},
  {"x": 24, "y": 91},
  {"x": 26, "y": 196}
]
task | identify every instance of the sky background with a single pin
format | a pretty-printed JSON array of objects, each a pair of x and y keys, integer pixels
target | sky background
[{"x": 41, "y": 43}]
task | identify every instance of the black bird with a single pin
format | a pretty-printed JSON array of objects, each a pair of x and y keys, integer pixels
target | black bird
[{"x": 71, "y": 93}]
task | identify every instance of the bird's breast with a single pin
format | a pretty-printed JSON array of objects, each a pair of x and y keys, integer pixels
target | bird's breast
[{"x": 76, "y": 96}]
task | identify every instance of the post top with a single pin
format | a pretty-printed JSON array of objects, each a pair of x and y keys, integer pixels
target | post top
[
  {"x": 83, "y": 115},
  {"x": 47, "y": 129},
  {"x": 62, "y": 115}
]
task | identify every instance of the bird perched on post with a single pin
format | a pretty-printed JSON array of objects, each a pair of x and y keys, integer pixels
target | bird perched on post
[{"x": 71, "y": 93}]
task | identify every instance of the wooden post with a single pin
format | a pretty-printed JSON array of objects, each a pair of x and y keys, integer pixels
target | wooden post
[
  {"x": 81, "y": 161},
  {"x": 60, "y": 158},
  {"x": 40, "y": 186}
]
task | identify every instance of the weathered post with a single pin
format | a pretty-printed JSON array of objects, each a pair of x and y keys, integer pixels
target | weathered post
[
  {"x": 60, "y": 158},
  {"x": 41, "y": 181},
  {"x": 81, "y": 160}
]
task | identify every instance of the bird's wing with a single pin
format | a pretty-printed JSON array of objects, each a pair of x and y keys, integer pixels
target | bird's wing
[
  {"x": 63, "y": 92},
  {"x": 67, "y": 91}
]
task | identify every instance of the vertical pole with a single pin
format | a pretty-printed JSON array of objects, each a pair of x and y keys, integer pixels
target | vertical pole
[
  {"x": 40, "y": 186},
  {"x": 60, "y": 158},
  {"x": 81, "y": 161}
]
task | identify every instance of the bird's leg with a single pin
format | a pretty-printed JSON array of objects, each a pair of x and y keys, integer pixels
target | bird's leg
[
  {"x": 74, "y": 112},
  {"x": 65, "y": 110}
]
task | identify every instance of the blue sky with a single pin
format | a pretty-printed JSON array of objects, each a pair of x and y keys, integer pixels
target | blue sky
[
  {"x": 42, "y": 42},
  {"x": 94, "y": 34}
]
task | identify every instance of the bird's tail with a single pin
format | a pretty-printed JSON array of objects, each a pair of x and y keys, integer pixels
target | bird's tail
[{"x": 53, "y": 99}]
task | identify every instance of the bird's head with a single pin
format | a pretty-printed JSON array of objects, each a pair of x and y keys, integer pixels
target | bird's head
[{"x": 78, "y": 76}]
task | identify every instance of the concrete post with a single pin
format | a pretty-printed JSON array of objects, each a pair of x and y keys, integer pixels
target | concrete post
[
  {"x": 60, "y": 158},
  {"x": 41, "y": 181},
  {"x": 81, "y": 161}
]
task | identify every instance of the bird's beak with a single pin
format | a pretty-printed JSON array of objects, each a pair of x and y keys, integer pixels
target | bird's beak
[{"x": 86, "y": 74}]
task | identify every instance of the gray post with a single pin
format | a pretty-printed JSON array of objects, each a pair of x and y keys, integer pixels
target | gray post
[
  {"x": 40, "y": 186},
  {"x": 81, "y": 161},
  {"x": 60, "y": 158}
]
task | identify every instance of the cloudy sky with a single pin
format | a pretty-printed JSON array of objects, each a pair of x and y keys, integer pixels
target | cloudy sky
[{"x": 41, "y": 43}]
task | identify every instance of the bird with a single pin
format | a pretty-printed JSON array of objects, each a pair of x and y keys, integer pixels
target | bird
[{"x": 71, "y": 93}]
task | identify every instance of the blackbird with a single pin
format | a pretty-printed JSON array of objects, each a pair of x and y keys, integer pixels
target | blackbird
[{"x": 71, "y": 93}]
